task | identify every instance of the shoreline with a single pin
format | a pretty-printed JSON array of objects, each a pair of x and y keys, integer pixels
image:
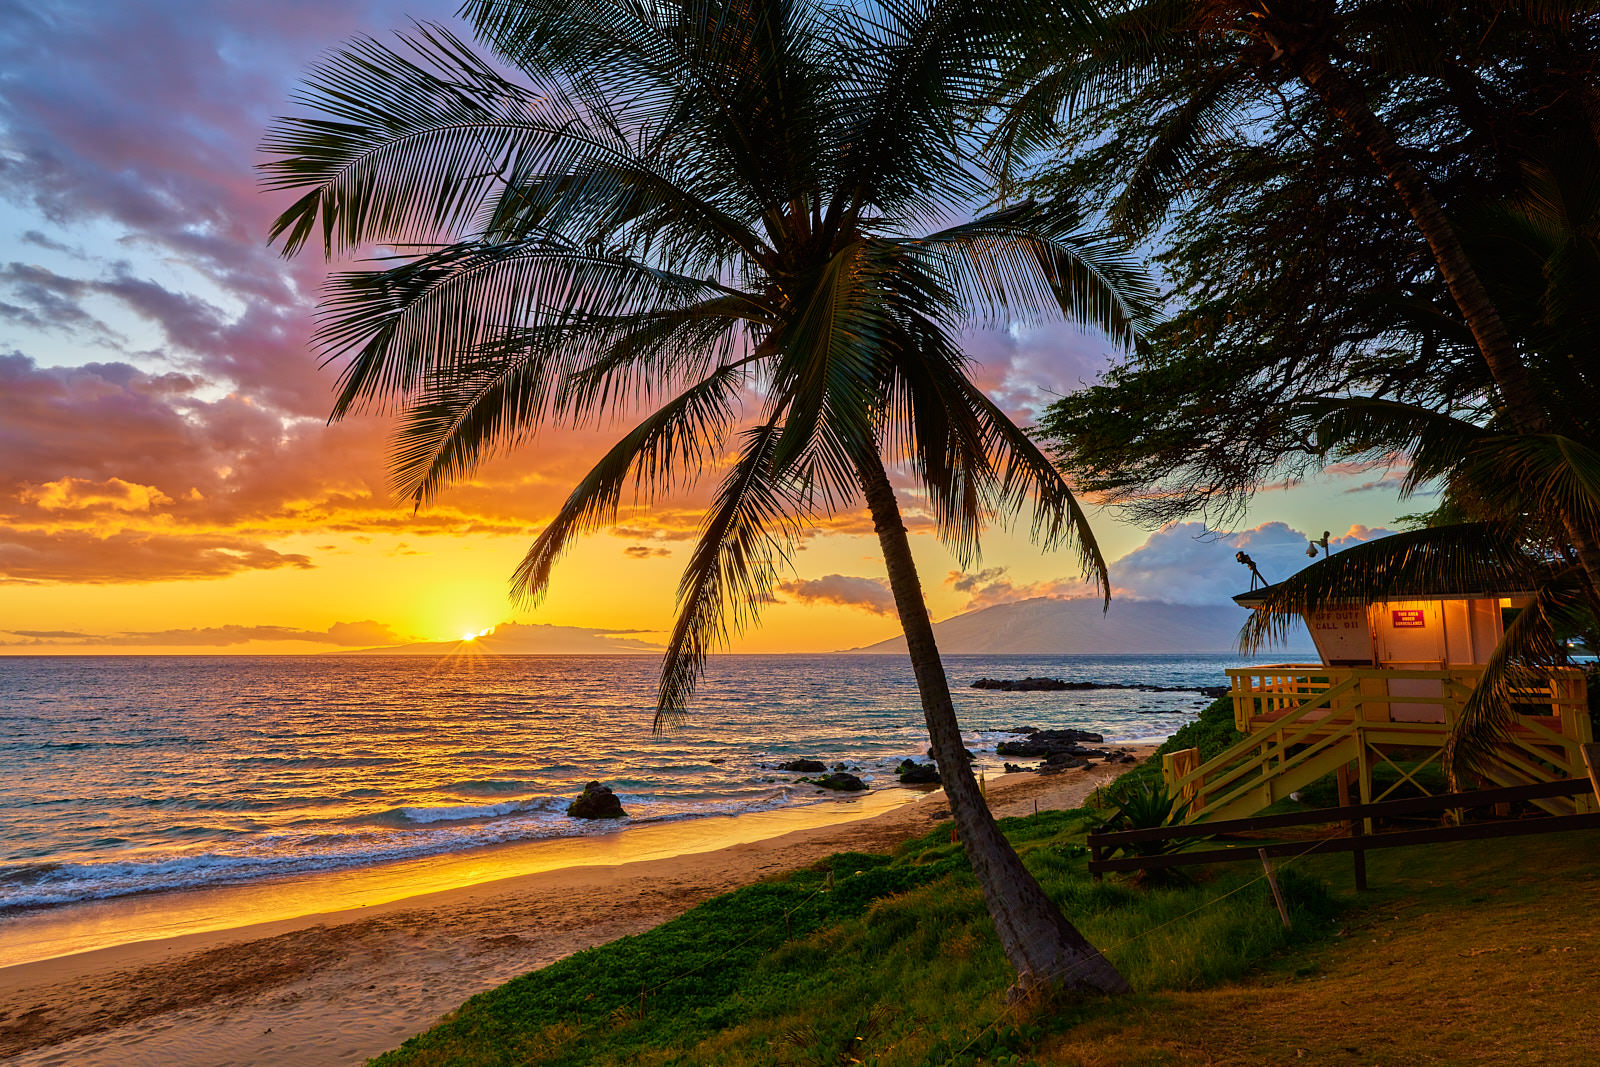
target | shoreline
[
  {"x": 335, "y": 985},
  {"x": 88, "y": 926}
]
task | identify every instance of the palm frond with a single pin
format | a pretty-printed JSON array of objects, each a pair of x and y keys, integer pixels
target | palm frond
[
  {"x": 828, "y": 353},
  {"x": 1526, "y": 650},
  {"x": 671, "y": 443},
  {"x": 1025, "y": 471},
  {"x": 400, "y": 326},
  {"x": 1213, "y": 111},
  {"x": 733, "y": 570},
  {"x": 1030, "y": 262},
  {"x": 1543, "y": 475},
  {"x": 410, "y": 145},
  {"x": 1434, "y": 442}
]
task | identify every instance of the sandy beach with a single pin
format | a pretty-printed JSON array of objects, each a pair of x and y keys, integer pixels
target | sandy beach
[{"x": 337, "y": 985}]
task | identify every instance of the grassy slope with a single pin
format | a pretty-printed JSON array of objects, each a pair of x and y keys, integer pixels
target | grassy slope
[
  {"x": 1469, "y": 953},
  {"x": 890, "y": 960}
]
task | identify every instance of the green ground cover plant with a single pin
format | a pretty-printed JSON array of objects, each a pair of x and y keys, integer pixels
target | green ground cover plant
[
  {"x": 890, "y": 960},
  {"x": 866, "y": 959}
]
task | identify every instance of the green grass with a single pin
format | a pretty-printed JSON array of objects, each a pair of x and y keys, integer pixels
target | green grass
[
  {"x": 891, "y": 960},
  {"x": 873, "y": 959}
]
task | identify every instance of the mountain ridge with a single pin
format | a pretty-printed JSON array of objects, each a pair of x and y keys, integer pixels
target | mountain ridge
[{"x": 1059, "y": 626}]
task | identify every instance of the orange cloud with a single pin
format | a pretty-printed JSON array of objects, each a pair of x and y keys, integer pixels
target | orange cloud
[
  {"x": 30, "y": 556},
  {"x": 868, "y": 594},
  {"x": 344, "y": 634},
  {"x": 80, "y": 494},
  {"x": 990, "y": 586}
]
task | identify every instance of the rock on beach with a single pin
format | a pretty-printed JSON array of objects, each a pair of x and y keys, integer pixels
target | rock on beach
[
  {"x": 843, "y": 781},
  {"x": 596, "y": 802}
]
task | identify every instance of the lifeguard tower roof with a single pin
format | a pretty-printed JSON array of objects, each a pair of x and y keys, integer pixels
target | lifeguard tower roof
[{"x": 1487, "y": 589}]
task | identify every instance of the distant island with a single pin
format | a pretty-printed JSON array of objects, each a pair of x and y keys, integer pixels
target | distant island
[{"x": 1053, "y": 626}]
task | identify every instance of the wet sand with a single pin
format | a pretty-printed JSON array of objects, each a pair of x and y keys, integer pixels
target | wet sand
[{"x": 371, "y": 958}]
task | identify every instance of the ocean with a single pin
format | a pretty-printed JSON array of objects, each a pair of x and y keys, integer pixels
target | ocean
[{"x": 123, "y": 775}]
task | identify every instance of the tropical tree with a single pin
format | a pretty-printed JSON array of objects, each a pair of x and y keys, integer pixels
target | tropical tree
[
  {"x": 1382, "y": 232},
  {"x": 1369, "y": 67},
  {"x": 747, "y": 226}
]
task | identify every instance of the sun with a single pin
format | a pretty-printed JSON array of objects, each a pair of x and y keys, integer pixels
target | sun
[{"x": 471, "y": 636}]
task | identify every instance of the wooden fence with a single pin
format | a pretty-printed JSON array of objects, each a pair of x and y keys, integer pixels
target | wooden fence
[{"x": 1358, "y": 838}]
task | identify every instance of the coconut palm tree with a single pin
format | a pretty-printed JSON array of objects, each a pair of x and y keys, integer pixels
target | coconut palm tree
[{"x": 746, "y": 226}]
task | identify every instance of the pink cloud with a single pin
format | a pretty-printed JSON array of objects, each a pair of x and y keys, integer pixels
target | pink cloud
[
  {"x": 991, "y": 586},
  {"x": 868, "y": 594}
]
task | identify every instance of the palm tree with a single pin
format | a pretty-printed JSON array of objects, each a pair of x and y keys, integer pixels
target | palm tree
[{"x": 744, "y": 220}]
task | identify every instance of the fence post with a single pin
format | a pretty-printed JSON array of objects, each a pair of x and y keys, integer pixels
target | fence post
[
  {"x": 1355, "y": 828},
  {"x": 1277, "y": 894}
]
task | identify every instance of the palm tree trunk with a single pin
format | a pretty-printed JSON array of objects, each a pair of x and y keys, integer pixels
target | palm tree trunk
[
  {"x": 1516, "y": 388},
  {"x": 1043, "y": 948}
]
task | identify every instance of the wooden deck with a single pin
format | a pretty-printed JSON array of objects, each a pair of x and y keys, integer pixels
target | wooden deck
[{"x": 1304, "y": 721}]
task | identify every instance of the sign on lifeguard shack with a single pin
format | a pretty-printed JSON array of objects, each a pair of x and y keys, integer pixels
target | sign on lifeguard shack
[{"x": 1393, "y": 679}]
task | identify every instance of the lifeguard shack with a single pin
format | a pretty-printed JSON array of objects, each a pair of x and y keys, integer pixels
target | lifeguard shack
[{"x": 1393, "y": 679}]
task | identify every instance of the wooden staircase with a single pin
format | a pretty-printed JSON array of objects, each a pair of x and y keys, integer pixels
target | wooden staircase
[{"x": 1303, "y": 722}]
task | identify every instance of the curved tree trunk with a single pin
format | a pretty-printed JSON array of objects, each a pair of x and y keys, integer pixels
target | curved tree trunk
[
  {"x": 1043, "y": 948},
  {"x": 1349, "y": 106}
]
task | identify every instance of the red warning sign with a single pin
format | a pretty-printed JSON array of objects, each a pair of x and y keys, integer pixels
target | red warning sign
[{"x": 1407, "y": 619}]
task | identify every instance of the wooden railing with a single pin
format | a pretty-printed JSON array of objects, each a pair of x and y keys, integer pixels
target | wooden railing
[
  {"x": 1355, "y": 840},
  {"x": 1301, "y": 721},
  {"x": 1554, "y": 698}
]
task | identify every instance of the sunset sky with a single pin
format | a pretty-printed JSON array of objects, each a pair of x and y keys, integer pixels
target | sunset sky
[{"x": 168, "y": 481}]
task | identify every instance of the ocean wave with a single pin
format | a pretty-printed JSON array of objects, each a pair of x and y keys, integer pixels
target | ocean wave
[
  {"x": 473, "y": 786},
  {"x": 30, "y": 886},
  {"x": 460, "y": 812},
  {"x": 316, "y": 762},
  {"x": 276, "y": 765}
]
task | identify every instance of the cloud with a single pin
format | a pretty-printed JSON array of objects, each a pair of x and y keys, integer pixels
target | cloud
[
  {"x": 1188, "y": 563},
  {"x": 47, "y": 635},
  {"x": 90, "y": 451},
  {"x": 365, "y": 632},
  {"x": 645, "y": 551},
  {"x": 33, "y": 556},
  {"x": 868, "y": 594},
  {"x": 345, "y": 634},
  {"x": 1185, "y": 563},
  {"x": 79, "y": 494},
  {"x": 991, "y": 586}
]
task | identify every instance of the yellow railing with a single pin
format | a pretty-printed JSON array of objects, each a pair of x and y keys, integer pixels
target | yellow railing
[
  {"x": 1552, "y": 702},
  {"x": 1302, "y": 720}
]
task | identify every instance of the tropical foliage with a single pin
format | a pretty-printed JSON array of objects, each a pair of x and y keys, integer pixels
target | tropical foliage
[
  {"x": 1381, "y": 234},
  {"x": 747, "y": 227}
]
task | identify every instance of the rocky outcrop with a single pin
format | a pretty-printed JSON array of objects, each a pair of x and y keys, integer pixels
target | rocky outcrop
[
  {"x": 843, "y": 781},
  {"x": 596, "y": 802},
  {"x": 913, "y": 773},
  {"x": 1054, "y": 685},
  {"x": 803, "y": 766},
  {"x": 1045, "y": 742},
  {"x": 1026, "y": 685},
  {"x": 1059, "y": 750}
]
